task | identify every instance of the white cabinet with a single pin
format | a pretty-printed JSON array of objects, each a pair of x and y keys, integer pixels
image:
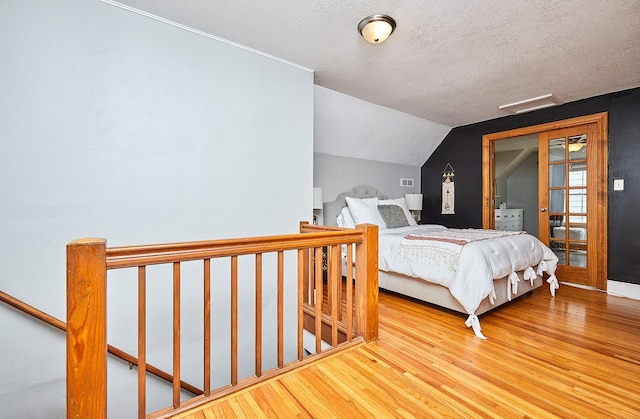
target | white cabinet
[{"x": 509, "y": 219}]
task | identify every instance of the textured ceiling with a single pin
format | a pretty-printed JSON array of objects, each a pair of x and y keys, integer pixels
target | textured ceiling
[{"x": 452, "y": 62}]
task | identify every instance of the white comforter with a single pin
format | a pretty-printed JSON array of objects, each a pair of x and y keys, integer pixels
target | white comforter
[{"x": 480, "y": 262}]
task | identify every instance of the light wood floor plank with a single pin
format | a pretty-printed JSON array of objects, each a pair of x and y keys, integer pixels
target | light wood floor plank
[
  {"x": 573, "y": 356},
  {"x": 249, "y": 406}
]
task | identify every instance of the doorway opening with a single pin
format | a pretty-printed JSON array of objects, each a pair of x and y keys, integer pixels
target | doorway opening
[{"x": 554, "y": 176}]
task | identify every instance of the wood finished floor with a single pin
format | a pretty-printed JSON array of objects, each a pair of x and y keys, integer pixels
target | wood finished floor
[{"x": 573, "y": 356}]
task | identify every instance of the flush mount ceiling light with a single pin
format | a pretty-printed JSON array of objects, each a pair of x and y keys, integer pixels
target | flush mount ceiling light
[
  {"x": 376, "y": 28},
  {"x": 576, "y": 142},
  {"x": 532, "y": 104}
]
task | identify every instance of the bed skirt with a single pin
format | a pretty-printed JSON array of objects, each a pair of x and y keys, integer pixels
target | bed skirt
[{"x": 440, "y": 296}]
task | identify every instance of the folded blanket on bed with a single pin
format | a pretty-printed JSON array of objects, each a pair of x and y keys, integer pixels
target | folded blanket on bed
[{"x": 461, "y": 236}]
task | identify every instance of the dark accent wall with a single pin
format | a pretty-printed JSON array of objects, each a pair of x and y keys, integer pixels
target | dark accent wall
[{"x": 462, "y": 148}]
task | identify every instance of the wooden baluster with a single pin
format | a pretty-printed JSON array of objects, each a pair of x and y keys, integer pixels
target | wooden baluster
[
  {"x": 207, "y": 327},
  {"x": 318, "y": 298},
  {"x": 280, "y": 309},
  {"x": 339, "y": 301},
  {"x": 307, "y": 276},
  {"x": 234, "y": 320},
  {"x": 142, "y": 341},
  {"x": 366, "y": 295},
  {"x": 258, "y": 348},
  {"x": 335, "y": 278},
  {"x": 86, "y": 329},
  {"x": 303, "y": 255},
  {"x": 349, "y": 305},
  {"x": 329, "y": 307},
  {"x": 176, "y": 334}
]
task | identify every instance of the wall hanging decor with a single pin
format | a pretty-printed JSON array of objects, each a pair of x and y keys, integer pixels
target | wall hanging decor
[{"x": 448, "y": 190}]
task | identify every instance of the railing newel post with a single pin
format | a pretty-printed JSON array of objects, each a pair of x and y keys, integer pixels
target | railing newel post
[
  {"x": 87, "y": 329},
  {"x": 366, "y": 295}
]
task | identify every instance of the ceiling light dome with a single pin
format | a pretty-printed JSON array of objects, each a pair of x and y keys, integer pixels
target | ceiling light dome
[{"x": 376, "y": 28}]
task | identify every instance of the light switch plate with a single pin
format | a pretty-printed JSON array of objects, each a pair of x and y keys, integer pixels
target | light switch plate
[{"x": 618, "y": 184}]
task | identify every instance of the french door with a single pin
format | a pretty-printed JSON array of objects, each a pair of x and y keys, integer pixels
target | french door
[
  {"x": 572, "y": 194},
  {"x": 568, "y": 190}
]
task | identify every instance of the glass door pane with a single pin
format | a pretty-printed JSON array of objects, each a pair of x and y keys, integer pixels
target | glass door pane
[
  {"x": 567, "y": 194},
  {"x": 577, "y": 147}
]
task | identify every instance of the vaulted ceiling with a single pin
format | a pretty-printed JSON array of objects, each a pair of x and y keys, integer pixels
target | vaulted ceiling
[{"x": 449, "y": 62}]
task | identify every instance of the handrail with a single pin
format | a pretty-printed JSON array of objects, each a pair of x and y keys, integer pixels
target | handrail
[
  {"x": 89, "y": 259},
  {"x": 132, "y": 256},
  {"x": 60, "y": 325},
  {"x": 32, "y": 311}
]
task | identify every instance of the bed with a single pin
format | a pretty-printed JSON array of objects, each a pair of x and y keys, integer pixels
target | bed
[
  {"x": 575, "y": 233},
  {"x": 465, "y": 270}
]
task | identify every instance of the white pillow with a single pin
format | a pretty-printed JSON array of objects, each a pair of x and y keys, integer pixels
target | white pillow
[
  {"x": 347, "y": 219},
  {"x": 365, "y": 211},
  {"x": 403, "y": 204}
]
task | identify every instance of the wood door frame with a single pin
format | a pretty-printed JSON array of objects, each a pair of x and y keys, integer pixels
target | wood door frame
[{"x": 598, "y": 239}]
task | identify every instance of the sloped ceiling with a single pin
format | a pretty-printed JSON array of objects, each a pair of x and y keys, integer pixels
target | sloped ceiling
[
  {"x": 449, "y": 62},
  {"x": 350, "y": 127}
]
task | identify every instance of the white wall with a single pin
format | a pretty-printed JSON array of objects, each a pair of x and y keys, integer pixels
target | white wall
[
  {"x": 116, "y": 125},
  {"x": 335, "y": 174},
  {"x": 522, "y": 187}
]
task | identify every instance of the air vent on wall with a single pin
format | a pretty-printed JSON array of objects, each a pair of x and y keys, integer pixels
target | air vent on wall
[{"x": 407, "y": 183}]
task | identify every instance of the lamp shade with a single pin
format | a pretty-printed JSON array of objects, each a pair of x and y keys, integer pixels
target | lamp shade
[
  {"x": 317, "y": 198},
  {"x": 414, "y": 201},
  {"x": 376, "y": 28}
]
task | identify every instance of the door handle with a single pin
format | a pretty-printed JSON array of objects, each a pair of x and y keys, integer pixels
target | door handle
[{"x": 543, "y": 209}]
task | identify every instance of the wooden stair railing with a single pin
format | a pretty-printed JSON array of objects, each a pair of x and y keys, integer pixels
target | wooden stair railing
[
  {"x": 89, "y": 259},
  {"x": 329, "y": 318}
]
